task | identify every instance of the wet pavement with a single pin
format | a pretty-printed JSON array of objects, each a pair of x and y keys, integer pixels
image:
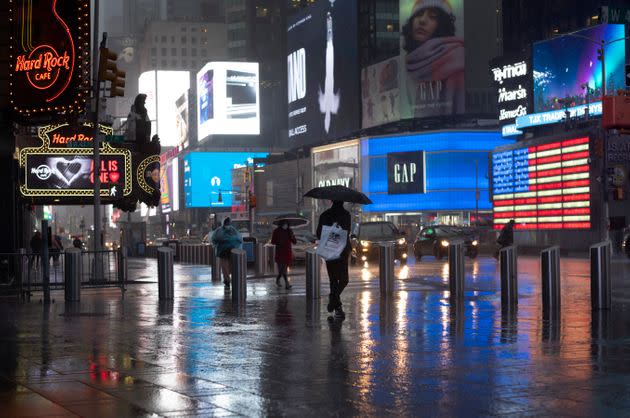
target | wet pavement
[{"x": 414, "y": 354}]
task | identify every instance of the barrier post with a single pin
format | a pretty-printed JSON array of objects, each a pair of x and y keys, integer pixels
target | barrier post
[
  {"x": 509, "y": 276},
  {"x": 601, "y": 290},
  {"x": 165, "y": 273},
  {"x": 386, "y": 269},
  {"x": 456, "y": 270},
  {"x": 550, "y": 265},
  {"x": 239, "y": 276}
]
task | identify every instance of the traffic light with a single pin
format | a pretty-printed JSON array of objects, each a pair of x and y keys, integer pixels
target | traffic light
[{"x": 108, "y": 71}]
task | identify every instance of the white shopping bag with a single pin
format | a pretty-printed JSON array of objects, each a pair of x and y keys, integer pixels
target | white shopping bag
[{"x": 332, "y": 242}]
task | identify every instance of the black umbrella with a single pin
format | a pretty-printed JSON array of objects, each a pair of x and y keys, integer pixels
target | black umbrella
[
  {"x": 342, "y": 193},
  {"x": 295, "y": 221}
]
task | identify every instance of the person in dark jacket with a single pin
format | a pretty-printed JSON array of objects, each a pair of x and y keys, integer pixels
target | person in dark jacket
[
  {"x": 225, "y": 239},
  {"x": 506, "y": 237},
  {"x": 283, "y": 238},
  {"x": 337, "y": 269},
  {"x": 76, "y": 243},
  {"x": 36, "y": 249}
]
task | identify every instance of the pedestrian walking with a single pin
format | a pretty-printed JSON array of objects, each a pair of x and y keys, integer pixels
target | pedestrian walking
[
  {"x": 76, "y": 243},
  {"x": 55, "y": 247},
  {"x": 506, "y": 237},
  {"x": 36, "y": 249},
  {"x": 225, "y": 239},
  {"x": 283, "y": 238},
  {"x": 337, "y": 269}
]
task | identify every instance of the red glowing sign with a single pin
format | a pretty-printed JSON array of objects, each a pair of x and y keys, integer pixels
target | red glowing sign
[
  {"x": 543, "y": 187},
  {"x": 49, "y": 56}
]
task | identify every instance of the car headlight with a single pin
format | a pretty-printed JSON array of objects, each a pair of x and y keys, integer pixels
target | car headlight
[
  {"x": 444, "y": 243},
  {"x": 475, "y": 243},
  {"x": 402, "y": 241},
  {"x": 365, "y": 243}
]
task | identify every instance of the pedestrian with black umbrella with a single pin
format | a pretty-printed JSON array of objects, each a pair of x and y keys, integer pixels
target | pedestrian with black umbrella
[{"x": 337, "y": 214}]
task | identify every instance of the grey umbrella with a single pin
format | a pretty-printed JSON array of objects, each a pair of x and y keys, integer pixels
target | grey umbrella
[
  {"x": 342, "y": 193},
  {"x": 295, "y": 221}
]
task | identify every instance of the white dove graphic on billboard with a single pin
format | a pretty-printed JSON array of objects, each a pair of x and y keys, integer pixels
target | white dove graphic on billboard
[{"x": 328, "y": 100}]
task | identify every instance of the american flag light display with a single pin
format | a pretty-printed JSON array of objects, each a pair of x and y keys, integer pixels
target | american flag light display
[{"x": 544, "y": 186}]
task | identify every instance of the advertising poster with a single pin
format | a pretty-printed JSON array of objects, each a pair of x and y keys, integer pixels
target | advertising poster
[
  {"x": 161, "y": 98},
  {"x": 228, "y": 99},
  {"x": 380, "y": 93},
  {"x": 432, "y": 57},
  {"x": 567, "y": 71},
  {"x": 322, "y": 65},
  {"x": 182, "y": 121},
  {"x": 169, "y": 186},
  {"x": 405, "y": 172}
]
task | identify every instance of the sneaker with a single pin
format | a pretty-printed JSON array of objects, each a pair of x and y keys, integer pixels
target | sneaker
[{"x": 339, "y": 313}]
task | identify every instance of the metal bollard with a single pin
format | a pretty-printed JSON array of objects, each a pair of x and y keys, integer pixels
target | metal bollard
[
  {"x": 509, "y": 280},
  {"x": 199, "y": 252},
  {"x": 23, "y": 270},
  {"x": 261, "y": 261},
  {"x": 456, "y": 270},
  {"x": 601, "y": 290},
  {"x": 239, "y": 276},
  {"x": 550, "y": 265},
  {"x": 165, "y": 273},
  {"x": 386, "y": 269},
  {"x": 216, "y": 268},
  {"x": 204, "y": 254},
  {"x": 72, "y": 275},
  {"x": 123, "y": 267},
  {"x": 313, "y": 275}
]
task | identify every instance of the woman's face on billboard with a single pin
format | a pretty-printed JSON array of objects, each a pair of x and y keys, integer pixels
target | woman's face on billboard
[{"x": 424, "y": 25}]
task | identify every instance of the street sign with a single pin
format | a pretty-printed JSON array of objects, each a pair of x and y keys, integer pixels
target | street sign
[{"x": 615, "y": 15}]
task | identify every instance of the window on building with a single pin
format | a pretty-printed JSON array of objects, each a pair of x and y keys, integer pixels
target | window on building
[
  {"x": 204, "y": 52},
  {"x": 173, "y": 51},
  {"x": 184, "y": 29},
  {"x": 155, "y": 38},
  {"x": 172, "y": 39},
  {"x": 184, "y": 52},
  {"x": 163, "y": 51},
  {"x": 184, "y": 63},
  {"x": 193, "y": 52},
  {"x": 154, "y": 51},
  {"x": 163, "y": 39},
  {"x": 193, "y": 40},
  {"x": 184, "y": 39},
  {"x": 163, "y": 63},
  {"x": 193, "y": 29}
]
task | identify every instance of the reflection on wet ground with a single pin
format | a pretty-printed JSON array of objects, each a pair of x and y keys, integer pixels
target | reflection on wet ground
[{"x": 415, "y": 353}]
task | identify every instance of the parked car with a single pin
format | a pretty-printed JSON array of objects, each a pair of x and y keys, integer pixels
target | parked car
[
  {"x": 367, "y": 236},
  {"x": 434, "y": 240}
]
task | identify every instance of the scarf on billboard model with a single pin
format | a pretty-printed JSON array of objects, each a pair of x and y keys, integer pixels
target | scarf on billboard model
[{"x": 440, "y": 59}]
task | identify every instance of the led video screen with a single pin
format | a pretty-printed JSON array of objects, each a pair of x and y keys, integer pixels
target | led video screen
[
  {"x": 323, "y": 74},
  {"x": 543, "y": 186},
  {"x": 565, "y": 65},
  {"x": 227, "y": 99},
  {"x": 169, "y": 185},
  {"x": 208, "y": 177},
  {"x": 168, "y": 88}
]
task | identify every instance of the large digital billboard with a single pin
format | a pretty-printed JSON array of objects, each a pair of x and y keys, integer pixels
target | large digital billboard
[
  {"x": 169, "y": 184},
  {"x": 323, "y": 73},
  {"x": 432, "y": 52},
  {"x": 566, "y": 65},
  {"x": 436, "y": 171},
  {"x": 544, "y": 186},
  {"x": 208, "y": 177},
  {"x": 164, "y": 91},
  {"x": 380, "y": 93},
  {"x": 228, "y": 99},
  {"x": 48, "y": 57}
]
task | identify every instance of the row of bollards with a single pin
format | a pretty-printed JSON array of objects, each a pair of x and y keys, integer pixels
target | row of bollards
[
  {"x": 196, "y": 254},
  {"x": 265, "y": 259}
]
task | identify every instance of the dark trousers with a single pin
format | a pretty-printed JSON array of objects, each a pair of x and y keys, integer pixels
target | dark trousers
[
  {"x": 282, "y": 272},
  {"x": 338, "y": 275}
]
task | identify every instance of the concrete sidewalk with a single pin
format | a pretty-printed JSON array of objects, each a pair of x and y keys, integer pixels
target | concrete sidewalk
[{"x": 412, "y": 354}]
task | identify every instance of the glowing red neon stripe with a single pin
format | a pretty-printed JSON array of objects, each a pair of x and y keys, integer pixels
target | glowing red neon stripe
[
  {"x": 576, "y": 169},
  {"x": 572, "y": 142},
  {"x": 503, "y": 215},
  {"x": 576, "y": 197},
  {"x": 550, "y": 199},
  {"x": 529, "y": 201},
  {"x": 575, "y": 156},
  {"x": 547, "y": 173},
  {"x": 577, "y": 211},
  {"x": 550, "y": 212},
  {"x": 506, "y": 202},
  {"x": 546, "y": 147},
  {"x": 576, "y": 225}
]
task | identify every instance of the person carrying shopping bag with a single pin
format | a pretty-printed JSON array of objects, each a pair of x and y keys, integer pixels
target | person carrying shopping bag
[{"x": 225, "y": 239}]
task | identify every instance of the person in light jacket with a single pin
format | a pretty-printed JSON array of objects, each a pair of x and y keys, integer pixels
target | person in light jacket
[{"x": 225, "y": 239}]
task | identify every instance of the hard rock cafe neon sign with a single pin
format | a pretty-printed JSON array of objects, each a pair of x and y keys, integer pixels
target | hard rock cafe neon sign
[{"x": 49, "y": 53}]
